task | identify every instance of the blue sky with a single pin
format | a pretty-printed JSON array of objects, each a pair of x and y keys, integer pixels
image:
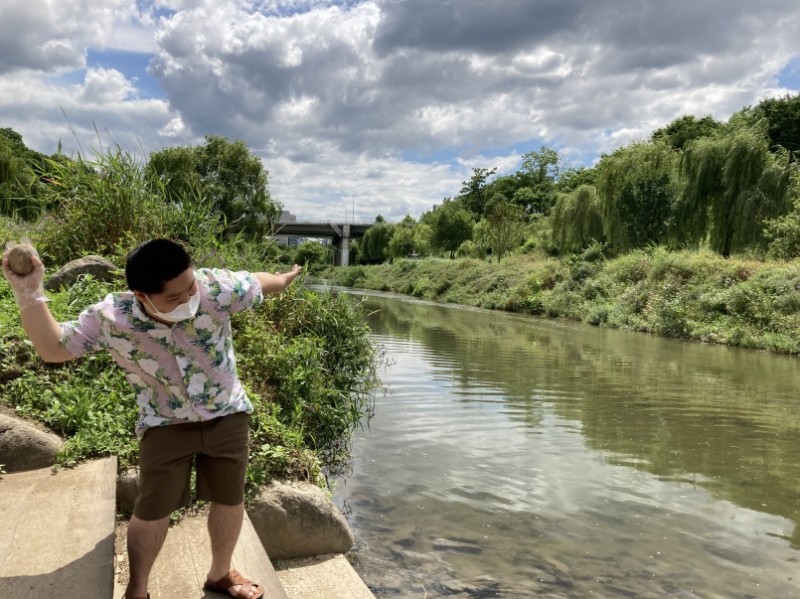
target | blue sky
[
  {"x": 390, "y": 103},
  {"x": 789, "y": 76},
  {"x": 134, "y": 65}
]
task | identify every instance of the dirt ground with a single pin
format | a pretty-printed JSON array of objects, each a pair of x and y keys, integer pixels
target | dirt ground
[{"x": 120, "y": 551}]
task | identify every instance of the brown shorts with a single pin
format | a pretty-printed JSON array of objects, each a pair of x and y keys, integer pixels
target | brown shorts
[{"x": 166, "y": 454}]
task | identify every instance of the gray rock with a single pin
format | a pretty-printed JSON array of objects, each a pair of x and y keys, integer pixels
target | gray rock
[
  {"x": 457, "y": 546},
  {"x": 97, "y": 266},
  {"x": 298, "y": 520},
  {"x": 478, "y": 588},
  {"x": 26, "y": 447},
  {"x": 127, "y": 490}
]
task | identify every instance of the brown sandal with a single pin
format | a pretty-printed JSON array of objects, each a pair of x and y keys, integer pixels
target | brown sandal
[{"x": 233, "y": 578}]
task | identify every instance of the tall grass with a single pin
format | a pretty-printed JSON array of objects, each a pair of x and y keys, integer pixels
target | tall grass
[{"x": 109, "y": 204}]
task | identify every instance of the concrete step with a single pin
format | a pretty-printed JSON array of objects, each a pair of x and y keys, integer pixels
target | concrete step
[
  {"x": 181, "y": 567},
  {"x": 57, "y": 532},
  {"x": 322, "y": 577}
]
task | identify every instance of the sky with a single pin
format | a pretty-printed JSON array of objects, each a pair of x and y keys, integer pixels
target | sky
[{"x": 360, "y": 108}]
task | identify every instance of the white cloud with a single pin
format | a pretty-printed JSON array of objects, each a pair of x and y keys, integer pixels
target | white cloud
[
  {"x": 51, "y": 36},
  {"x": 45, "y": 112},
  {"x": 174, "y": 128},
  {"x": 336, "y": 96},
  {"x": 103, "y": 86}
]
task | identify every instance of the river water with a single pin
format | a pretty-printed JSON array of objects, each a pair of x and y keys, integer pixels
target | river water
[{"x": 511, "y": 456}]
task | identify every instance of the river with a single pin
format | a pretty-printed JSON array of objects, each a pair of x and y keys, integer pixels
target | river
[{"x": 512, "y": 456}]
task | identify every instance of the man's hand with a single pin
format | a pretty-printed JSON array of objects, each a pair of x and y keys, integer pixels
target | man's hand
[
  {"x": 28, "y": 289},
  {"x": 291, "y": 275},
  {"x": 42, "y": 329},
  {"x": 279, "y": 281}
]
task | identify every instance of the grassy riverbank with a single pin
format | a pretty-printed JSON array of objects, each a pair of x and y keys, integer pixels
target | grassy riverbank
[
  {"x": 690, "y": 295},
  {"x": 306, "y": 359}
]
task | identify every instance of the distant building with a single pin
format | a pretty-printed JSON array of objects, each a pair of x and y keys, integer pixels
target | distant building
[
  {"x": 287, "y": 217},
  {"x": 287, "y": 240}
]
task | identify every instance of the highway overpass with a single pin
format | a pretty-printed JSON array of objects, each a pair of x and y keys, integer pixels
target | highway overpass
[{"x": 340, "y": 233}]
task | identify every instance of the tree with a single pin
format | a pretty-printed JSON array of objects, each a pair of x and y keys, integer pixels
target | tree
[
  {"x": 481, "y": 243},
  {"x": 451, "y": 226},
  {"x": 541, "y": 169},
  {"x": 355, "y": 252},
  {"x": 571, "y": 179},
  {"x": 423, "y": 236},
  {"x": 686, "y": 129},
  {"x": 402, "y": 242},
  {"x": 527, "y": 199},
  {"x": 542, "y": 164},
  {"x": 784, "y": 231},
  {"x": 783, "y": 116},
  {"x": 375, "y": 243},
  {"x": 732, "y": 184},
  {"x": 178, "y": 168},
  {"x": 472, "y": 194},
  {"x": 577, "y": 221},
  {"x": 636, "y": 192},
  {"x": 504, "y": 227},
  {"x": 227, "y": 174},
  {"x": 313, "y": 253}
]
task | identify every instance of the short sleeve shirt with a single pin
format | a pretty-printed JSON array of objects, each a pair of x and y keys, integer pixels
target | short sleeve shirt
[{"x": 184, "y": 372}]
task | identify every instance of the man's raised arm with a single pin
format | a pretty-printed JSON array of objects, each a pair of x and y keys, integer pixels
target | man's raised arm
[{"x": 39, "y": 324}]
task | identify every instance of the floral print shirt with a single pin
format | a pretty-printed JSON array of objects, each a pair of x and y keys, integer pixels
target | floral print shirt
[{"x": 184, "y": 372}]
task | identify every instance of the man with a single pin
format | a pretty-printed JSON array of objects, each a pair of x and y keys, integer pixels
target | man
[{"x": 171, "y": 334}]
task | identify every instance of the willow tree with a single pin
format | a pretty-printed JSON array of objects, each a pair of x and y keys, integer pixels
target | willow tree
[
  {"x": 636, "y": 191},
  {"x": 375, "y": 243},
  {"x": 732, "y": 183},
  {"x": 576, "y": 219},
  {"x": 504, "y": 222},
  {"x": 784, "y": 231}
]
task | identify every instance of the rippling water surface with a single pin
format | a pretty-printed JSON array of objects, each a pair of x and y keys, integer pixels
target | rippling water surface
[{"x": 518, "y": 457}]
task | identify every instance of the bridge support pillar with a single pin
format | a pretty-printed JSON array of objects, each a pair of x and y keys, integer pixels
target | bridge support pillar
[{"x": 343, "y": 245}]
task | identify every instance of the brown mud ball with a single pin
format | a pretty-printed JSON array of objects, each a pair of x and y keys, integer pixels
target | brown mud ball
[{"x": 19, "y": 259}]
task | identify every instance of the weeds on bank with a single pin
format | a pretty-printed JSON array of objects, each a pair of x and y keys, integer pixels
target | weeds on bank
[
  {"x": 690, "y": 295},
  {"x": 316, "y": 362}
]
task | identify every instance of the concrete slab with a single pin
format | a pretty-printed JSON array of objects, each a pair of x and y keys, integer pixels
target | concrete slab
[
  {"x": 181, "y": 568},
  {"x": 321, "y": 577},
  {"x": 57, "y": 532}
]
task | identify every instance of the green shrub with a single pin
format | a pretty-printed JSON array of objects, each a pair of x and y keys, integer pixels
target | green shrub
[
  {"x": 313, "y": 255},
  {"x": 311, "y": 352}
]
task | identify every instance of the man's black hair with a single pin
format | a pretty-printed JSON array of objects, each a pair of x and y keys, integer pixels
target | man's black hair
[{"x": 152, "y": 264}]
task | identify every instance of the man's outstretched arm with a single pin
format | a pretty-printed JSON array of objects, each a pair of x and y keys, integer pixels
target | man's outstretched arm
[{"x": 278, "y": 282}]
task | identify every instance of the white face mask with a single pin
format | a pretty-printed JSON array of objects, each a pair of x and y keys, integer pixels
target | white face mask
[{"x": 182, "y": 312}]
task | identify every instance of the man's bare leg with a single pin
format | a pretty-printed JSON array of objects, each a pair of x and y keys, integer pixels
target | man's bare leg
[
  {"x": 145, "y": 538},
  {"x": 224, "y": 526}
]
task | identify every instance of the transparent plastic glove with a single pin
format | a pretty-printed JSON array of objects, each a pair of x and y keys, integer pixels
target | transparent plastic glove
[{"x": 29, "y": 289}]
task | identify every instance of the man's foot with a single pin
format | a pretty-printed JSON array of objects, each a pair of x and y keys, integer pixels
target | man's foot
[
  {"x": 235, "y": 585},
  {"x": 129, "y": 596}
]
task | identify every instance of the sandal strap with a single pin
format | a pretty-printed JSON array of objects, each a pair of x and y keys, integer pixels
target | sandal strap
[{"x": 232, "y": 579}]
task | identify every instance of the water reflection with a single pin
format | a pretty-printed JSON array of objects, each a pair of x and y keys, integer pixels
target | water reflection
[{"x": 519, "y": 456}]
